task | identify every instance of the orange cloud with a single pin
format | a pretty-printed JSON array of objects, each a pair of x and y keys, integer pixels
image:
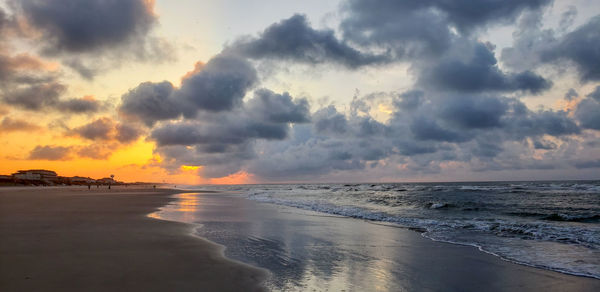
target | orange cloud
[
  {"x": 241, "y": 177},
  {"x": 197, "y": 68},
  {"x": 10, "y": 125}
]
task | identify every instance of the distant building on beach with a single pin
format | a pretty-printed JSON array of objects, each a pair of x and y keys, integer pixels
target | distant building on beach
[
  {"x": 47, "y": 176},
  {"x": 106, "y": 181},
  {"x": 82, "y": 180}
]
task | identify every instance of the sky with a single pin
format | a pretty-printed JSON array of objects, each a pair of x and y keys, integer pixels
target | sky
[{"x": 197, "y": 92}]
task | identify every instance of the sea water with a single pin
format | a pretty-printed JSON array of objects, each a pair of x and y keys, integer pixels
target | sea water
[{"x": 549, "y": 225}]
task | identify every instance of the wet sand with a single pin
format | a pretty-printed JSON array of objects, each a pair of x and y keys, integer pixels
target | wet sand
[
  {"x": 309, "y": 251},
  {"x": 75, "y": 239}
]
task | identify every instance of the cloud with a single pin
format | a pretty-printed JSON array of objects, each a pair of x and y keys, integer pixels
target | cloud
[
  {"x": 479, "y": 72},
  {"x": 581, "y": 48},
  {"x": 98, "y": 151},
  {"x": 84, "y": 26},
  {"x": 221, "y": 140},
  {"x": 588, "y": 113},
  {"x": 95, "y": 151},
  {"x": 220, "y": 85},
  {"x": 10, "y": 125},
  {"x": 35, "y": 97},
  {"x": 99, "y": 129},
  {"x": 94, "y": 35},
  {"x": 150, "y": 102},
  {"x": 126, "y": 133},
  {"x": 79, "y": 105},
  {"x": 293, "y": 39},
  {"x": 424, "y": 28},
  {"x": 50, "y": 152},
  {"x": 595, "y": 94},
  {"x": 588, "y": 164},
  {"x": 534, "y": 46},
  {"x": 106, "y": 129}
]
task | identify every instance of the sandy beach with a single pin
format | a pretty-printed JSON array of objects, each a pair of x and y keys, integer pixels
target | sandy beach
[{"x": 75, "y": 239}]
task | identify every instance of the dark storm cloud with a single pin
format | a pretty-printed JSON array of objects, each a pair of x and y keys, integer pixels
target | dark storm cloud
[
  {"x": 479, "y": 72},
  {"x": 150, "y": 102},
  {"x": 50, "y": 152},
  {"x": 588, "y": 113},
  {"x": 409, "y": 100},
  {"x": 83, "y": 26},
  {"x": 416, "y": 28},
  {"x": 221, "y": 141},
  {"x": 278, "y": 108},
  {"x": 428, "y": 129},
  {"x": 126, "y": 133},
  {"x": 473, "y": 112},
  {"x": 595, "y": 94},
  {"x": 293, "y": 39},
  {"x": 220, "y": 85},
  {"x": 329, "y": 121},
  {"x": 91, "y": 36},
  {"x": 582, "y": 48},
  {"x": 266, "y": 116},
  {"x": 99, "y": 129},
  {"x": 534, "y": 46}
]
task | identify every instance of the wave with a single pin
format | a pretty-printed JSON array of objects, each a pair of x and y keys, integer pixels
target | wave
[{"x": 571, "y": 218}]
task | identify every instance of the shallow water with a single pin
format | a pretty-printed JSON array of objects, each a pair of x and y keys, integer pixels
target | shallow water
[
  {"x": 312, "y": 251},
  {"x": 550, "y": 225}
]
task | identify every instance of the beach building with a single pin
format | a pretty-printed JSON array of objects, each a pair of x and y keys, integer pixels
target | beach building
[
  {"x": 82, "y": 180},
  {"x": 106, "y": 181},
  {"x": 47, "y": 176}
]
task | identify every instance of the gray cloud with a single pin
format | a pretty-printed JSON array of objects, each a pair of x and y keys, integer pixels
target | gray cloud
[
  {"x": 99, "y": 129},
  {"x": 126, "y": 133},
  {"x": 221, "y": 139},
  {"x": 150, "y": 102},
  {"x": 83, "y": 26},
  {"x": 220, "y": 85},
  {"x": 417, "y": 28},
  {"x": 92, "y": 36},
  {"x": 79, "y": 105},
  {"x": 10, "y": 125},
  {"x": 307, "y": 45},
  {"x": 534, "y": 46},
  {"x": 35, "y": 97},
  {"x": 479, "y": 72},
  {"x": 50, "y": 152},
  {"x": 595, "y": 94},
  {"x": 588, "y": 113},
  {"x": 581, "y": 48}
]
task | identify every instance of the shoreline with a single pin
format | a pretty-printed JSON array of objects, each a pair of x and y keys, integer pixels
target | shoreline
[
  {"x": 73, "y": 239},
  {"x": 294, "y": 243}
]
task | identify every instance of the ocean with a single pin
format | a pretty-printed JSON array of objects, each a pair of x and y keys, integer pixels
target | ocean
[{"x": 553, "y": 225}]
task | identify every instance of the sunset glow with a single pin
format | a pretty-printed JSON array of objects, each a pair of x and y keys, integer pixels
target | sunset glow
[{"x": 165, "y": 95}]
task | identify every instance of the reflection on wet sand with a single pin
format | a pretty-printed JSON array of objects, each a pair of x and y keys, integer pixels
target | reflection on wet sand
[
  {"x": 302, "y": 252},
  {"x": 307, "y": 251}
]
